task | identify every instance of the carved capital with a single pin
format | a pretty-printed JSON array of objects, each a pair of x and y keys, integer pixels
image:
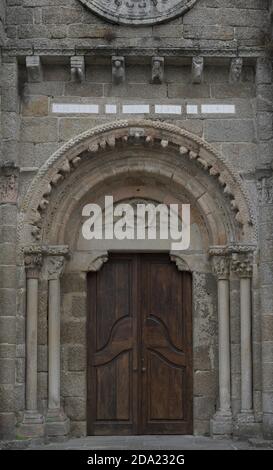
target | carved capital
[
  {"x": 33, "y": 265},
  {"x": 221, "y": 267},
  {"x": 242, "y": 264},
  {"x": 55, "y": 266},
  {"x": 8, "y": 183}
]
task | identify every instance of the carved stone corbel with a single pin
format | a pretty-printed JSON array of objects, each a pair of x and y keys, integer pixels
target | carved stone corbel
[
  {"x": 181, "y": 264},
  {"x": 77, "y": 64},
  {"x": 236, "y": 69},
  {"x": 157, "y": 70},
  {"x": 118, "y": 70},
  {"x": 197, "y": 69},
  {"x": 98, "y": 261},
  {"x": 34, "y": 68}
]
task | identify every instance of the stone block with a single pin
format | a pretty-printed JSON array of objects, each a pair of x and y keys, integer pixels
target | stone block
[
  {"x": 7, "y": 276},
  {"x": 35, "y": 106},
  {"x": 19, "y": 397},
  {"x": 7, "y": 234},
  {"x": 267, "y": 327},
  {"x": 268, "y": 402},
  {"x": 76, "y": 358},
  {"x": 7, "y": 371},
  {"x": 87, "y": 89},
  {"x": 7, "y": 426},
  {"x": 73, "y": 384},
  {"x": 7, "y": 351},
  {"x": 7, "y": 301},
  {"x": 42, "y": 358},
  {"x": 8, "y": 330},
  {"x": 42, "y": 385},
  {"x": 20, "y": 370},
  {"x": 268, "y": 377},
  {"x": 205, "y": 383},
  {"x": 78, "y": 428},
  {"x": 73, "y": 332},
  {"x": 75, "y": 408},
  {"x": 73, "y": 282},
  {"x": 240, "y": 130},
  {"x": 188, "y": 91},
  {"x": 8, "y": 214},
  {"x": 268, "y": 425},
  {"x": 202, "y": 359},
  {"x": 39, "y": 130},
  {"x": 201, "y": 428},
  {"x": 6, "y": 398},
  {"x": 7, "y": 254},
  {"x": 79, "y": 306},
  {"x": 204, "y": 407}
]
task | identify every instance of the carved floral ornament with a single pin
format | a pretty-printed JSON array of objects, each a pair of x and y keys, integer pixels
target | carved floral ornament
[
  {"x": 134, "y": 132},
  {"x": 139, "y": 12},
  {"x": 238, "y": 259},
  {"x": 34, "y": 256}
]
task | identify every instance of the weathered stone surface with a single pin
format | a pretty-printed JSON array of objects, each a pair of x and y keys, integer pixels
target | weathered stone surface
[
  {"x": 75, "y": 408},
  {"x": 221, "y": 32},
  {"x": 76, "y": 358}
]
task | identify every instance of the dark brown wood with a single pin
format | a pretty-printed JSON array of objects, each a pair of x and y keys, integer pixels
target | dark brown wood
[{"x": 140, "y": 347}]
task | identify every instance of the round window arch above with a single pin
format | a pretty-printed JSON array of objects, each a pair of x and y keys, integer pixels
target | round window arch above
[{"x": 138, "y": 12}]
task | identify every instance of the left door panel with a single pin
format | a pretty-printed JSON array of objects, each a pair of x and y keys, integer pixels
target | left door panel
[{"x": 111, "y": 336}]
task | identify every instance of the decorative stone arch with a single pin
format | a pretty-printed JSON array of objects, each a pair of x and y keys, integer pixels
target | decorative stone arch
[
  {"x": 109, "y": 152},
  {"x": 168, "y": 137}
]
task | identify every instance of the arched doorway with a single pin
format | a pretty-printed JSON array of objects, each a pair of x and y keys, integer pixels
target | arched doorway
[{"x": 131, "y": 160}]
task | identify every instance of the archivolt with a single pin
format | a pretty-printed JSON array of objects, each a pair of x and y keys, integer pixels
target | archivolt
[{"x": 151, "y": 133}]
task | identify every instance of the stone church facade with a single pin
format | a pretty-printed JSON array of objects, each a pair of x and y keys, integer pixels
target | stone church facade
[{"x": 152, "y": 101}]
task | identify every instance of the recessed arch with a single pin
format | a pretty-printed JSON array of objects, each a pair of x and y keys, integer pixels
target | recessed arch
[{"x": 152, "y": 147}]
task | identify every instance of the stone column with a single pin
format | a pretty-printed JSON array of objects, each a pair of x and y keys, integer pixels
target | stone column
[
  {"x": 9, "y": 175},
  {"x": 33, "y": 422},
  {"x": 57, "y": 424},
  {"x": 221, "y": 424},
  {"x": 242, "y": 265}
]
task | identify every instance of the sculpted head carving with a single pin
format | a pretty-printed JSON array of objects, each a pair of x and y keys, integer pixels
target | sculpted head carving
[{"x": 138, "y": 12}]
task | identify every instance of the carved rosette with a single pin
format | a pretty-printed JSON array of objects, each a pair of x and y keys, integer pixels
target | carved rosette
[
  {"x": 242, "y": 264},
  {"x": 33, "y": 265},
  {"x": 138, "y": 12},
  {"x": 8, "y": 183}
]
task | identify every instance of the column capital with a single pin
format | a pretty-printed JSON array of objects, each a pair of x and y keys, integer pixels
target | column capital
[
  {"x": 221, "y": 267},
  {"x": 33, "y": 265},
  {"x": 54, "y": 266},
  {"x": 220, "y": 258},
  {"x": 242, "y": 264}
]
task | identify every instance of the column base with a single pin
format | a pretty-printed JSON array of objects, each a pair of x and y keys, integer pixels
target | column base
[
  {"x": 57, "y": 424},
  {"x": 245, "y": 425},
  {"x": 221, "y": 425},
  {"x": 32, "y": 426}
]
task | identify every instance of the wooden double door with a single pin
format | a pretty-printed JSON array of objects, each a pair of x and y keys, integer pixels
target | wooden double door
[{"x": 139, "y": 340}]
